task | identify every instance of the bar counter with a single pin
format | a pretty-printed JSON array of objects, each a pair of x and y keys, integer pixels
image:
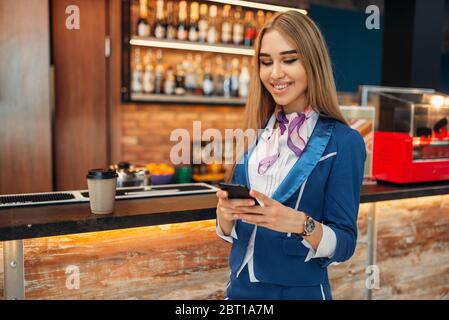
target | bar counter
[
  {"x": 164, "y": 248},
  {"x": 51, "y": 220}
]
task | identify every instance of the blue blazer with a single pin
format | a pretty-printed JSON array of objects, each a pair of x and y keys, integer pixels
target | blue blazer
[{"x": 325, "y": 183}]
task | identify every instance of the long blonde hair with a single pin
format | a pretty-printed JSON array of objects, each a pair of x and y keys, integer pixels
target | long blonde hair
[{"x": 308, "y": 41}]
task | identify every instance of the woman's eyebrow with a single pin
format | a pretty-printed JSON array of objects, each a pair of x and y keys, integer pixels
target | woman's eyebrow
[{"x": 263, "y": 54}]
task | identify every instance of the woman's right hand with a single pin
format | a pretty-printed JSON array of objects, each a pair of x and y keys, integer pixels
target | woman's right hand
[{"x": 227, "y": 207}]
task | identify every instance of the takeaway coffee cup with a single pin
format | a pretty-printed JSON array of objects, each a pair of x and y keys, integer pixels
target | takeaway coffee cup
[{"x": 102, "y": 184}]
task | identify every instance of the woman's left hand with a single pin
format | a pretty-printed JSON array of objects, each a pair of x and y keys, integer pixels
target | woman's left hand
[{"x": 271, "y": 214}]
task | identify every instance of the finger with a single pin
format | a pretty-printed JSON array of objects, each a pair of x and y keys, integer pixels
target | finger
[
  {"x": 263, "y": 199},
  {"x": 252, "y": 209},
  {"x": 241, "y": 202},
  {"x": 252, "y": 218},
  {"x": 222, "y": 194}
]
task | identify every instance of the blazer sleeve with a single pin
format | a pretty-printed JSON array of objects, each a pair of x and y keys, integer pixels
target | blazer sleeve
[{"x": 342, "y": 197}]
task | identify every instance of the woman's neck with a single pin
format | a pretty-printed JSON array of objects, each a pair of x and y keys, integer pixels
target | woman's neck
[{"x": 298, "y": 105}]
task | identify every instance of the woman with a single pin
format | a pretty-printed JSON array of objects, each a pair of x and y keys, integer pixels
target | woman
[{"x": 306, "y": 170}]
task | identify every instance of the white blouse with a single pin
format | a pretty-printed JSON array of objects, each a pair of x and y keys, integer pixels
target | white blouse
[{"x": 268, "y": 182}]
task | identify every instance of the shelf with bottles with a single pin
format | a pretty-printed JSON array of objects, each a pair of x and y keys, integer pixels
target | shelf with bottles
[
  {"x": 200, "y": 78},
  {"x": 214, "y": 27}
]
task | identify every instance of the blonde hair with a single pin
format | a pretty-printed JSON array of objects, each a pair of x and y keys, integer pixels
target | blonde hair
[{"x": 308, "y": 41}]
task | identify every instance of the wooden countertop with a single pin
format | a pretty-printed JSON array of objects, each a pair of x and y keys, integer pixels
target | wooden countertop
[{"x": 51, "y": 220}]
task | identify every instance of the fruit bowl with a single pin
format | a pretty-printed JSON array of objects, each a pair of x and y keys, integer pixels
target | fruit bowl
[
  {"x": 161, "y": 173},
  {"x": 161, "y": 178}
]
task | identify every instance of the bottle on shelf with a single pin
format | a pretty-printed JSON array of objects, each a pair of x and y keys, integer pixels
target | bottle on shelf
[
  {"x": 226, "y": 25},
  {"x": 208, "y": 82},
  {"x": 160, "y": 26},
  {"x": 244, "y": 79},
  {"x": 148, "y": 74},
  {"x": 193, "y": 24},
  {"x": 212, "y": 32},
  {"x": 143, "y": 27},
  {"x": 219, "y": 76},
  {"x": 190, "y": 74},
  {"x": 260, "y": 22},
  {"x": 199, "y": 75},
  {"x": 249, "y": 29},
  {"x": 136, "y": 77},
  {"x": 235, "y": 78},
  {"x": 180, "y": 80},
  {"x": 237, "y": 27},
  {"x": 159, "y": 73},
  {"x": 227, "y": 80},
  {"x": 203, "y": 23},
  {"x": 183, "y": 30},
  {"x": 170, "y": 81},
  {"x": 171, "y": 21},
  {"x": 268, "y": 16}
]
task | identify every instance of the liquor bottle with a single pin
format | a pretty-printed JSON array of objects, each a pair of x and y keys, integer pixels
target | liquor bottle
[
  {"x": 268, "y": 16},
  {"x": 249, "y": 29},
  {"x": 194, "y": 17},
  {"x": 180, "y": 80},
  {"x": 182, "y": 23},
  {"x": 226, "y": 25},
  {"x": 136, "y": 78},
  {"x": 237, "y": 28},
  {"x": 190, "y": 75},
  {"x": 160, "y": 27},
  {"x": 244, "y": 79},
  {"x": 148, "y": 74},
  {"x": 199, "y": 75},
  {"x": 260, "y": 22},
  {"x": 170, "y": 81},
  {"x": 208, "y": 82},
  {"x": 227, "y": 81},
  {"x": 203, "y": 23},
  {"x": 159, "y": 73},
  {"x": 219, "y": 76},
  {"x": 143, "y": 27},
  {"x": 212, "y": 32},
  {"x": 171, "y": 22},
  {"x": 235, "y": 78}
]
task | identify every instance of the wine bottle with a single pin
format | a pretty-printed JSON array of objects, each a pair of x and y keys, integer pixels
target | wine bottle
[
  {"x": 182, "y": 22},
  {"x": 148, "y": 74},
  {"x": 244, "y": 79},
  {"x": 203, "y": 23},
  {"x": 212, "y": 32},
  {"x": 171, "y": 21},
  {"x": 143, "y": 27},
  {"x": 219, "y": 76},
  {"x": 208, "y": 82},
  {"x": 226, "y": 25},
  {"x": 159, "y": 73},
  {"x": 235, "y": 78},
  {"x": 180, "y": 80},
  {"x": 136, "y": 77},
  {"x": 170, "y": 81},
  {"x": 193, "y": 25},
  {"x": 237, "y": 28},
  {"x": 160, "y": 27},
  {"x": 249, "y": 29}
]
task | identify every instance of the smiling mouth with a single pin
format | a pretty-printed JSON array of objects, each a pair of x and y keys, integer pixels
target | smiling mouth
[{"x": 279, "y": 88}]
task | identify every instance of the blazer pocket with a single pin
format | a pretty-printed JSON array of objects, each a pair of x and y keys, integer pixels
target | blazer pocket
[{"x": 294, "y": 247}]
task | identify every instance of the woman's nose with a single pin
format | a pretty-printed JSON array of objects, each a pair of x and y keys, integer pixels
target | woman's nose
[{"x": 277, "y": 72}]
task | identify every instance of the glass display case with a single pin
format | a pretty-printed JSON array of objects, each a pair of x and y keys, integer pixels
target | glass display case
[{"x": 411, "y": 140}]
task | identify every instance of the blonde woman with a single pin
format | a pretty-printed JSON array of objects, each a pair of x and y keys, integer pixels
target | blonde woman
[{"x": 305, "y": 169}]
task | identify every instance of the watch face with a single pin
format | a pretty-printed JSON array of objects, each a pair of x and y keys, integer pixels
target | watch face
[{"x": 309, "y": 226}]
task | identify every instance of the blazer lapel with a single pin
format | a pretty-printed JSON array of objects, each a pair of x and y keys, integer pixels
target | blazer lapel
[{"x": 308, "y": 160}]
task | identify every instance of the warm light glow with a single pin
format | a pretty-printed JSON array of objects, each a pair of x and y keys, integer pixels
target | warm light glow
[
  {"x": 149, "y": 42},
  {"x": 437, "y": 101},
  {"x": 261, "y": 6}
]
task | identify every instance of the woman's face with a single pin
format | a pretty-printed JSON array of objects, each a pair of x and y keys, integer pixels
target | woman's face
[{"x": 282, "y": 72}]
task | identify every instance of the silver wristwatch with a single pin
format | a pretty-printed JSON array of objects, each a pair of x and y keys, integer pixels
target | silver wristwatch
[{"x": 309, "y": 226}]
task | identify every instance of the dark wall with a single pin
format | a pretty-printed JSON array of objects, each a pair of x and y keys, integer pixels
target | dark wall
[{"x": 356, "y": 52}]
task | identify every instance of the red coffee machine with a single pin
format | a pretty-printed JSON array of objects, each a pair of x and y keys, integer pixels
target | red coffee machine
[{"x": 411, "y": 140}]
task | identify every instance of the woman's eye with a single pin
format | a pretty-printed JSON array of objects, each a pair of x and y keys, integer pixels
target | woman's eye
[
  {"x": 290, "y": 61},
  {"x": 266, "y": 63}
]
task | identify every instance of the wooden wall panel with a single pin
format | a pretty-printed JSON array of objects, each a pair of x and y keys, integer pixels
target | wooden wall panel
[
  {"x": 25, "y": 115},
  {"x": 81, "y": 141}
]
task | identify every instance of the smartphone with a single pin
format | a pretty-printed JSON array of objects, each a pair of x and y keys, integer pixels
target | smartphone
[{"x": 236, "y": 191}]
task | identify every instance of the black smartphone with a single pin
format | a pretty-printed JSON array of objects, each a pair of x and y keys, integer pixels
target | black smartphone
[{"x": 236, "y": 191}]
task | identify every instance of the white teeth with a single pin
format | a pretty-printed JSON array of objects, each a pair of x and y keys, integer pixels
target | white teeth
[{"x": 281, "y": 86}]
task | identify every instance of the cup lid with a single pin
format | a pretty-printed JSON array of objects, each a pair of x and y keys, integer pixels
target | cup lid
[{"x": 102, "y": 174}]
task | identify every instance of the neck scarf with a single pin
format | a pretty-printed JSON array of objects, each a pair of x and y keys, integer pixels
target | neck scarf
[{"x": 294, "y": 125}]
